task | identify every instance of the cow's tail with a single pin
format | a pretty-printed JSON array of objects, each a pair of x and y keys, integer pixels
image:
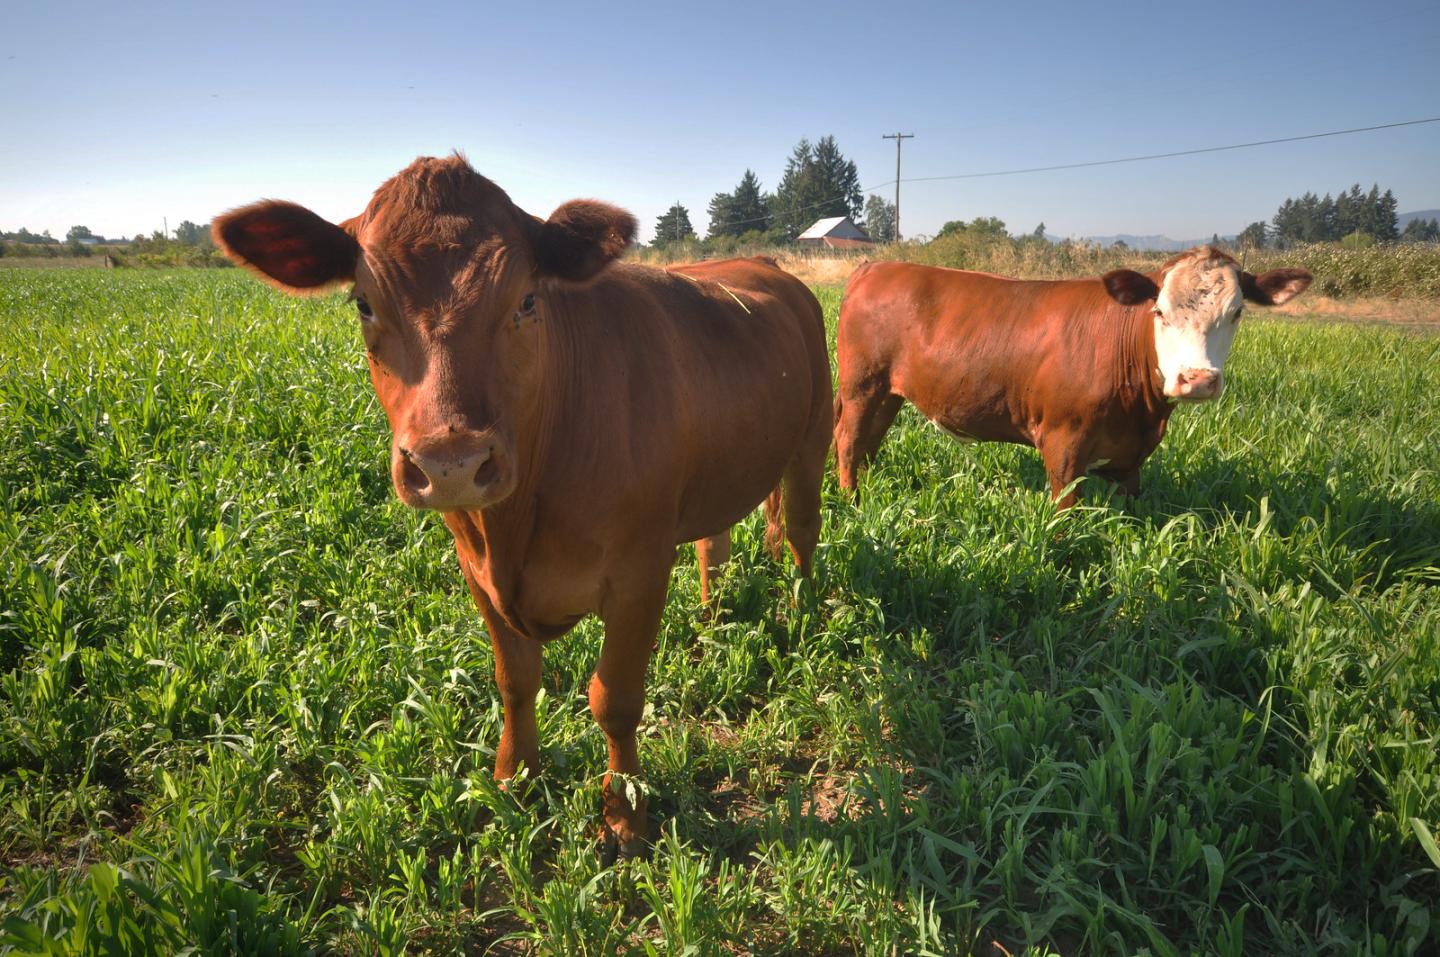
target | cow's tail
[{"x": 775, "y": 522}]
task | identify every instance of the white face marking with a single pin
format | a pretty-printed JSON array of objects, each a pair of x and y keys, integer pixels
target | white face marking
[{"x": 1197, "y": 313}]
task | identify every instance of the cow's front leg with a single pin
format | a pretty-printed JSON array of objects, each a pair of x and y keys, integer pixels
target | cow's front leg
[
  {"x": 631, "y": 613},
  {"x": 1064, "y": 463},
  {"x": 1126, "y": 480},
  {"x": 517, "y": 672}
]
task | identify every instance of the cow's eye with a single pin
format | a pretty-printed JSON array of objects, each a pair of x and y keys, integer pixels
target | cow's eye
[
  {"x": 363, "y": 307},
  {"x": 527, "y": 305}
]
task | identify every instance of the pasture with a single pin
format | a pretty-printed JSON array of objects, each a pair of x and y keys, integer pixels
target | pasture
[{"x": 246, "y": 705}]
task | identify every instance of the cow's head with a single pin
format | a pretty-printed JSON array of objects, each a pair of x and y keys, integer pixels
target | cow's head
[
  {"x": 450, "y": 280},
  {"x": 1197, "y": 304}
]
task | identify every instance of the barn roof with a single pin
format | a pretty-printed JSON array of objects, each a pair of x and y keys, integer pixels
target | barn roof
[{"x": 838, "y": 226}]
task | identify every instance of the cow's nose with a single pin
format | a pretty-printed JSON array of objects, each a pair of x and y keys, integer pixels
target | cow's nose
[
  {"x": 1198, "y": 383},
  {"x": 448, "y": 473}
]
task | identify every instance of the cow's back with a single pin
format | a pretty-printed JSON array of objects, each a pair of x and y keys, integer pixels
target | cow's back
[
  {"x": 766, "y": 384},
  {"x": 707, "y": 377},
  {"x": 970, "y": 350}
]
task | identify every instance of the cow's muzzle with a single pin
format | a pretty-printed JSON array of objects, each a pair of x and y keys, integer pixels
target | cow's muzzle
[
  {"x": 452, "y": 471},
  {"x": 1196, "y": 385}
]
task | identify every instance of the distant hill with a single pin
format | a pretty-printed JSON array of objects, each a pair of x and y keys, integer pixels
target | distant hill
[
  {"x": 1404, "y": 218},
  {"x": 1159, "y": 243},
  {"x": 1163, "y": 243}
]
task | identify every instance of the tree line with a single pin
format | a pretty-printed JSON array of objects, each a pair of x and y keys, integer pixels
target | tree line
[
  {"x": 818, "y": 182},
  {"x": 82, "y": 241},
  {"x": 1352, "y": 216}
]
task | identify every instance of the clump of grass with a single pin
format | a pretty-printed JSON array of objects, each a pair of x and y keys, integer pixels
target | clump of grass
[{"x": 245, "y": 704}]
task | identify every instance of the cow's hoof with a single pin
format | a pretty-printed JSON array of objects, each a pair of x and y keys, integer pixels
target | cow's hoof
[{"x": 612, "y": 849}]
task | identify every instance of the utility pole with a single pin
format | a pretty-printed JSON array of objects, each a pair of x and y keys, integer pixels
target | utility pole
[{"x": 898, "y": 138}]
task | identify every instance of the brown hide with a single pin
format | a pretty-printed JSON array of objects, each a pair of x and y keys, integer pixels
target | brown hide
[
  {"x": 1068, "y": 367},
  {"x": 575, "y": 421}
]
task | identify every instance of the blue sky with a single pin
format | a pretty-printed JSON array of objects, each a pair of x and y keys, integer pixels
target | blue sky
[{"x": 118, "y": 114}]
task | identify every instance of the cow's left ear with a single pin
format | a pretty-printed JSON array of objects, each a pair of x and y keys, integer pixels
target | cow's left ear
[
  {"x": 1129, "y": 288},
  {"x": 581, "y": 238},
  {"x": 288, "y": 246},
  {"x": 1276, "y": 286}
]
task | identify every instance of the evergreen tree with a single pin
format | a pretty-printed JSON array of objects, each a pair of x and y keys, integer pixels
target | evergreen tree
[
  {"x": 797, "y": 195},
  {"x": 1283, "y": 225},
  {"x": 818, "y": 182},
  {"x": 839, "y": 179},
  {"x": 880, "y": 219},
  {"x": 1421, "y": 231},
  {"x": 722, "y": 214},
  {"x": 1348, "y": 210},
  {"x": 1252, "y": 236},
  {"x": 1039, "y": 232},
  {"x": 1387, "y": 228},
  {"x": 673, "y": 225},
  {"x": 745, "y": 210},
  {"x": 1311, "y": 219}
]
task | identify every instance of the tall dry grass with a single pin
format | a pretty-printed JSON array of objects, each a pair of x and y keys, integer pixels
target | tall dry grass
[{"x": 1399, "y": 271}]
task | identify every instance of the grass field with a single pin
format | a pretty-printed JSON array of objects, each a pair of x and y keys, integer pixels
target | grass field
[{"x": 245, "y": 705}]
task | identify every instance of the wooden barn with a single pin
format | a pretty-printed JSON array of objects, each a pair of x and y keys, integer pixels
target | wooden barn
[{"x": 837, "y": 232}]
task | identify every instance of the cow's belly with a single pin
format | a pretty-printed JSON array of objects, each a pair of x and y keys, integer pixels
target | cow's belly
[
  {"x": 730, "y": 489},
  {"x": 964, "y": 404},
  {"x": 1114, "y": 450},
  {"x": 741, "y": 451}
]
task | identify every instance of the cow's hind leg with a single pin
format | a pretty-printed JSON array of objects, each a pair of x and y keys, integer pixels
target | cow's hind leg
[
  {"x": 861, "y": 420},
  {"x": 800, "y": 487},
  {"x": 713, "y": 553}
]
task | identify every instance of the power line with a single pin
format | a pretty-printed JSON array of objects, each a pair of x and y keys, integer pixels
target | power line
[
  {"x": 1155, "y": 156},
  {"x": 1109, "y": 162}
]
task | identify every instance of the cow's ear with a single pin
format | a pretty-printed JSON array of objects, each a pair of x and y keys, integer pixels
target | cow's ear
[
  {"x": 288, "y": 246},
  {"x": 581, "y": 238},
  {"x": 1275, "y": 287},
  {"x": 1129, "y": 288}
]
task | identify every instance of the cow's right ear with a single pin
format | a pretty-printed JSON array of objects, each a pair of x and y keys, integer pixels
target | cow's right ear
[
  {"x": 1129, "y": 288},
  {"x": 287, "y": 246},
  {"x": 581, "y": 238}
]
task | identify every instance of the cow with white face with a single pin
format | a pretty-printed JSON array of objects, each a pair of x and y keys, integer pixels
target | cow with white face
[
  {"x": 1085, "y": 370},
  {"x": 1197, "y": 312}
]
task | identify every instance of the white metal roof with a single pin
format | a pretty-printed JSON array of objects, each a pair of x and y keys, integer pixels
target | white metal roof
[{"x": 822, "y": 227}]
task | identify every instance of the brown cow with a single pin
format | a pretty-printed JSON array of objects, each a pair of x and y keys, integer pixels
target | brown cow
[
  {"x": 1085, "y": 370},
  {"x": 573, "y": 420}
]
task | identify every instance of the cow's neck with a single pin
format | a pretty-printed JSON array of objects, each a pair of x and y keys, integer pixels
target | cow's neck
[
  {"x": 1137, "y": 378},
  {"x": 495, "y": 542}
]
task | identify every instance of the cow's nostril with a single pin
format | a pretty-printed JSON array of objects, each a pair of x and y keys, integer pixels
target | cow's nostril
[
  {"x": 485, "y": 474},
  {"x": 414, "y": 476}
]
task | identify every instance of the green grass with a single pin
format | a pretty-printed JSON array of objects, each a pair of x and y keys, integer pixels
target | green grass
[{"x": 245, "y": 704}]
